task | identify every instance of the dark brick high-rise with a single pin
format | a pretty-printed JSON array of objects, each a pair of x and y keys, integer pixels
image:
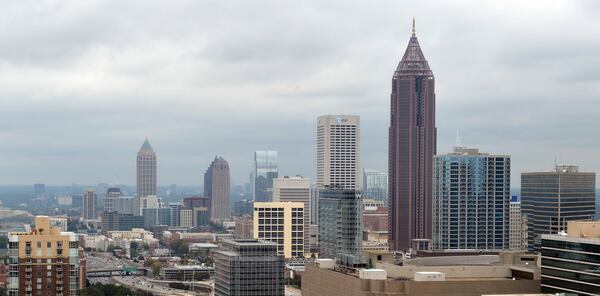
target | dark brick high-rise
[{"x": 412, "y": 144}]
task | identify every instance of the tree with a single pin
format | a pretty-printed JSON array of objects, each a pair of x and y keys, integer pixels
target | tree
[
  {"x": 155, "y": 268},
  {"x": 154, "y": 265},
  {"x": 179, "y": 247}
]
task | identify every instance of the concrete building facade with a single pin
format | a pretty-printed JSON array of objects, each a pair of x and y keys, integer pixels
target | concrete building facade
[
  {"x": 283, "y": 224},
  {"x": 295, "y": 189},
  {"x": 518, "y": 225},
  {"x": 338, "y": 151}
]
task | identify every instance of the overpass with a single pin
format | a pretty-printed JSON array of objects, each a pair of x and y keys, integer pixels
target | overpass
[{"x": 109, "y": 272}]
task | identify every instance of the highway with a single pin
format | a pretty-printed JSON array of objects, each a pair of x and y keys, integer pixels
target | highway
[{"x": 104, "y": 261}]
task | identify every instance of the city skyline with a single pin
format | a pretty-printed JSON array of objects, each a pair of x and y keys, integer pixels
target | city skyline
[{"x": 109, "y": 72}]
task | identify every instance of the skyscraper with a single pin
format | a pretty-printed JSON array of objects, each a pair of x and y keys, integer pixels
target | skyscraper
[
  {"x": 338, "y": 151},
  {"x": 39, "y": 190},
  {"x": 111, "y": 199},
  {"x": 295, "y": 189},
  {"x": 216, "y": 186},
  {"x": 412, "y": 144},
  {"x": 265, "y": 170},
  {"x": 551, "y": 199},
  {"x": 175, "y": 208},
  {"x": 471, "y": 200},
  {"x": 375, "y": 185},
  {"x": 89, "y": 204},
  {"x": 146, "y": 172}
]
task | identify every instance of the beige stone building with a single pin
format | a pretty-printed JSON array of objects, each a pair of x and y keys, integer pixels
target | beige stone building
[
  {"x": 295, "y": 189},
  {"x": 281, "y": 223}
]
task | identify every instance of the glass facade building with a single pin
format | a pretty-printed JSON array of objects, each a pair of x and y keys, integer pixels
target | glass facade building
[
  {"x": 471, "y": 200},
  {"x": 248, "y": 267},
  {"x": 375, "y": 185},
  {"x": 551, "y": 199},
  {"x": 570, "y": 264},
  {"x": 265, "y": 170},
  {"x": 340, "y": 222}
]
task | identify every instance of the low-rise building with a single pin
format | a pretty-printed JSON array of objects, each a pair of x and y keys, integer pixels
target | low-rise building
[
  {"x": 96, "y": 242},
  {"x": 248, "y": 267},
  {"x": 243, "y": 227},
  {"x": 510, "y": 272},
  {"x": 571, "y": 260},
  {"x": 186, "y": 273}
]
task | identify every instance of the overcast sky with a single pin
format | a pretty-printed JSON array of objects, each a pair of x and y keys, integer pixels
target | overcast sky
[{"x": 83, "y": 82}]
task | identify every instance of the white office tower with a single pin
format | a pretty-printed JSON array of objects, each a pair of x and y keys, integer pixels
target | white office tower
[
  {"x": 295, "y": 189},
  {"x": 338, "y": 151}
]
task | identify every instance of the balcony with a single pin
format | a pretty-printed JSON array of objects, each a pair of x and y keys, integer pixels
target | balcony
[
  {"x": 28, "y": 269},
  {"x": 59, "y": 269},
  {"x": 59, "y": 282}
]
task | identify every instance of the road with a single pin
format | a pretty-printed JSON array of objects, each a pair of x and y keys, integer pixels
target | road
[
  {"x": 142, "y": 284},
  {"x": 292, "y": 291}
]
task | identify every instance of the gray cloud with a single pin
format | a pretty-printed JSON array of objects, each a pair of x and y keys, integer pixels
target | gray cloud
[{"x": 83, "y": 82}]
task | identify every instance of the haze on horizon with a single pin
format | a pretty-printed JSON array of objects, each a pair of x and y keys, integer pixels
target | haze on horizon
[{"x": 83, "y": 82}]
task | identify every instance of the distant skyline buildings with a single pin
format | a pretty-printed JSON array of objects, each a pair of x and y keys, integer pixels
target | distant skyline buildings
[
  {"x": 217, "y": 187},
  {"x": 266, "y": 168},
  {"x": 89, "y": 206},
  {"x": 146, "y": 172},
  {"x": 412, "y": 144},
  {"x": 375, "y": 185},
  {"x": 111, "y": 199}
]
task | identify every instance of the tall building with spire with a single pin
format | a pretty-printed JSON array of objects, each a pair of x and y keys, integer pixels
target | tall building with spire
[
  {"x": 146, "y": 172},
  {"x": 216, "y": 186},
  {"x": 412, "y": 144}
]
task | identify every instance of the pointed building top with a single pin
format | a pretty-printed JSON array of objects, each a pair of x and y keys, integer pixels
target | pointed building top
[
  {"x": 413, "y": 62},
  {"x": 146, "y": 146}
]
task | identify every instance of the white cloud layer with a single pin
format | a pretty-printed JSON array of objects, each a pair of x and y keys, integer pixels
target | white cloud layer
[{"x": 83, "y": 82}]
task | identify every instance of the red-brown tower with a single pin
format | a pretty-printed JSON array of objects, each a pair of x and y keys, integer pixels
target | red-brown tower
[{"x": 412, "y": 144}]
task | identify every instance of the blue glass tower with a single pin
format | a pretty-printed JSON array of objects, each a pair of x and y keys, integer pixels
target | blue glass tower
[{"x": 471, "y": 204}]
